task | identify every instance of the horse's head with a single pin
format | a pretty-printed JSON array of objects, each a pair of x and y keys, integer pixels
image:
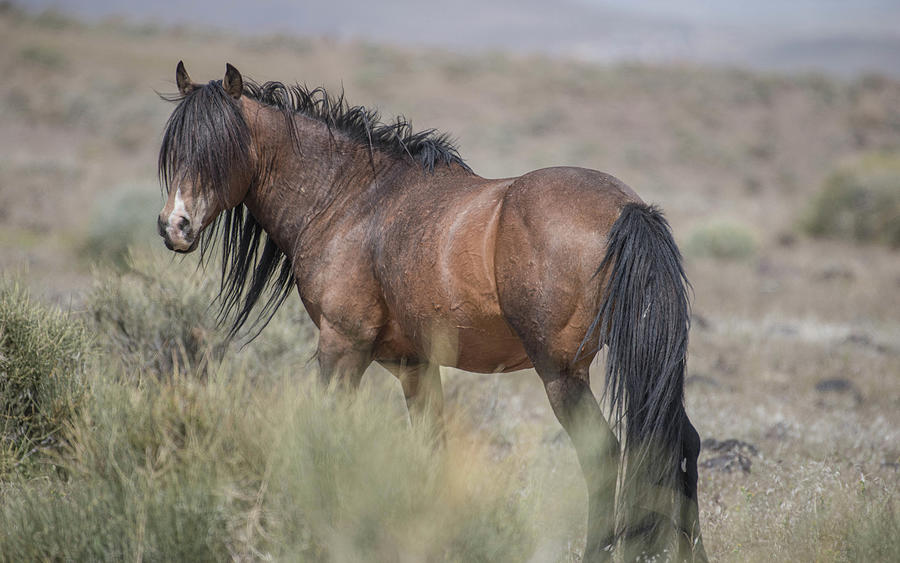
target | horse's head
[{"x": 205, "y": 163}]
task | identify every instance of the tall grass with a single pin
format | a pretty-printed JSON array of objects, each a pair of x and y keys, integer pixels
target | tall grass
[{"x": 191, "y": 470}]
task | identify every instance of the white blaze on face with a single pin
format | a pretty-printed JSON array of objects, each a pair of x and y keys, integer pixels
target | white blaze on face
[{"x": 178, "y": 210}]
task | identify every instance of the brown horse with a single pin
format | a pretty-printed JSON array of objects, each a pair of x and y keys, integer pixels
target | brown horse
[{"x": 404, "y": 256}]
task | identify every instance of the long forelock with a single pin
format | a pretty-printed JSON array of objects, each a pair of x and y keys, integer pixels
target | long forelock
[{"x": 205, "y": 139}]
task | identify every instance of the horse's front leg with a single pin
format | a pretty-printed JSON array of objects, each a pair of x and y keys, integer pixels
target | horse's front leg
[
  {"x": 342, "y": 357},
  {"x": 423, "y": 392}
]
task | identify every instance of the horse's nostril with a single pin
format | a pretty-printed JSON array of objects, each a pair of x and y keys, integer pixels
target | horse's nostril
[
  {"x": 161, "y": 226},
  {"x": 183, "y": 224}
]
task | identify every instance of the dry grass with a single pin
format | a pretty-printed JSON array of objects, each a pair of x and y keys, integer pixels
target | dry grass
[{"x": 795, "y": 349}]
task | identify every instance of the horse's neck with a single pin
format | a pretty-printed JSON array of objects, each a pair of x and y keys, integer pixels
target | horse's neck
[{"x": 300, "y": 194}]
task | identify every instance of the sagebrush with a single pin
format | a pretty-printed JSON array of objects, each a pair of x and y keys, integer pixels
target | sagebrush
[{"x": 43, "y": 357}]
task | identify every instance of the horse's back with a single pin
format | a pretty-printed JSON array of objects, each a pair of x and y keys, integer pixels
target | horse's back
[{"x": 568, "y": 190}]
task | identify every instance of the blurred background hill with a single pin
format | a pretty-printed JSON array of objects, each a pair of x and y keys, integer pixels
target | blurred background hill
[
  {"x": 768, "y": 132},
  {"x": 827, "y": 35}
]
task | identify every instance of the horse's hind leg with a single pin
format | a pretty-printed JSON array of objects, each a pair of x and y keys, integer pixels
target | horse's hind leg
[
  {"x": 577, "y": 410},
  {"x": 690, "y": 544}
]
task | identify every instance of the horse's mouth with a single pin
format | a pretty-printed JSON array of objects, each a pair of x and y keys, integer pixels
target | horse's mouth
[{"x": 187, "y": 250}]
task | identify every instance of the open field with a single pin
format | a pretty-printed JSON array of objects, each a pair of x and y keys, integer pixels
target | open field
[{"x": 795, "y": 349}]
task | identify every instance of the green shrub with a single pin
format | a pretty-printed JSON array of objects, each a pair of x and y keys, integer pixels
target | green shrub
[
  {"x": 53, "y": 19},
  {"x": 43, "y": 354},
  {"x": 722, "y": 240},
  {"x": 120, "y": 219},
  {"x": 43, "y": 56},
  {"x": 144, "y": 483},
  {"x": 860, "y": 202},
  {"x": 159, "y": 312},
  {"x": 154, "y": 316}
]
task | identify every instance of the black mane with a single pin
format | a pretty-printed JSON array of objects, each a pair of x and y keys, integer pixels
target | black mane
[
  {"x": 206, "y": 136},
  {"x": 361, "y": 124}
]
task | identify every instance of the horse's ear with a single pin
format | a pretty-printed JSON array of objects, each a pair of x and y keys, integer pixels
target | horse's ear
[
  {"x": 185, "y": 86},
  {"x": 233, "y": 83}
]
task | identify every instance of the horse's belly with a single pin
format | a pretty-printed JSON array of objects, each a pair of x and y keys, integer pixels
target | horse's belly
[
  {"x": 490, "y": 349},
  {"x": 483, "y": 345}
]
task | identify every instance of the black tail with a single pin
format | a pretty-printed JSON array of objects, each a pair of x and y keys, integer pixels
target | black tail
[{"x": 644, "y": 319}]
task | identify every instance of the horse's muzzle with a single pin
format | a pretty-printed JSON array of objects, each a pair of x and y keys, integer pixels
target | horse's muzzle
[{"x": 179, "y": 237}]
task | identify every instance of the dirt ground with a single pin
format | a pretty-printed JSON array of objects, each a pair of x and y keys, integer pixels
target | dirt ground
[{"x": 794, "y": 366}]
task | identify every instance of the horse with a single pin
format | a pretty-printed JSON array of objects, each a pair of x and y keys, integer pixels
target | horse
[{"x": 402, "y": 255}]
